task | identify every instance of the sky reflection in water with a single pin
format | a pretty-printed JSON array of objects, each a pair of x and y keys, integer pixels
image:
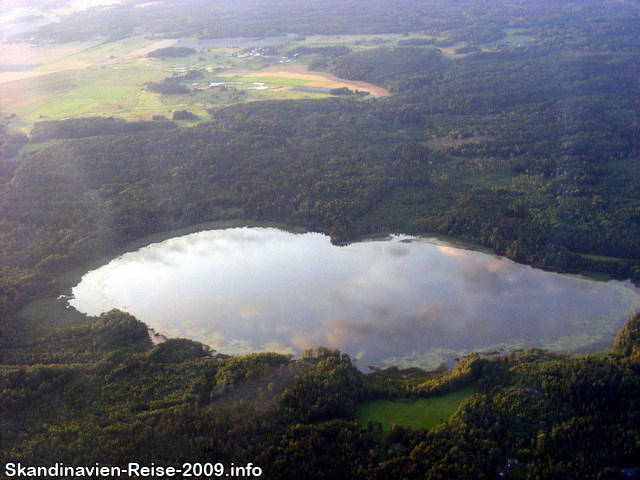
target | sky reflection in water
[{"x": 405, "y": 301}]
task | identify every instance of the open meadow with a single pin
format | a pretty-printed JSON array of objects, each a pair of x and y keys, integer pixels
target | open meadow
[{"x": 413, "y": 412}]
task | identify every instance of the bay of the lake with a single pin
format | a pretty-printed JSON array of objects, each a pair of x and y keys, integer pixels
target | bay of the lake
[{"x": 402, "y": 300}]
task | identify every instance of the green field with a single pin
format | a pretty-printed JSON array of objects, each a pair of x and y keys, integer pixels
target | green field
[
  {"x": 412, "y": 412},
  {"x": 108, "y": 79}
]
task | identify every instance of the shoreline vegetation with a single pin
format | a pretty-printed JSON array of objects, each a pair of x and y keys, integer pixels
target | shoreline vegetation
[
  {"x": 53, "y": 310},
  {"x": 67, "y": 280}
]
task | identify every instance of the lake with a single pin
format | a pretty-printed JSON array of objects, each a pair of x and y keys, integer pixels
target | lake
[{"x": 404, "y": 300}]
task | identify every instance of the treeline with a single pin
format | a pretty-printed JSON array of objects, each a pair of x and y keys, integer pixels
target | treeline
[
  {"x": 342, "y": 91},
  {"x": 171, "y": 52},
  {"x": 416, "y": 42},
  {"x": 184, "y": 115},
  {"x": 93, "y": 126},
  {"x": 169, "y": 86},
  {"x": 330, "y": 51}
]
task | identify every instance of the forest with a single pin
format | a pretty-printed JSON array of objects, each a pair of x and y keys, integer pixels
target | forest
[
  {"x": 171, "y": 52},
  {"x": 543, "y": 170},
  {"x": 528, "y": 149},
  {"x": 98, "y": 391}
]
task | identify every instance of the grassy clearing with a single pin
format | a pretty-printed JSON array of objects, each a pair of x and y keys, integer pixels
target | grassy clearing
[
  {"x": 413, "y": 412},
  {"x": 90, "y": 100}
]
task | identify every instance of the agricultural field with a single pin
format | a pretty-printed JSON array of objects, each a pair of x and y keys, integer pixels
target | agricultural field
[
  {"x": 40, "y": 82},
  {"x": 413, "y": 412},
  {"x": 53, "y": 82}
]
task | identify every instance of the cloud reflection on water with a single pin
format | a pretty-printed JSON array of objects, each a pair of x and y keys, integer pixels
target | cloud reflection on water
[{"x": 252, "y": 289}]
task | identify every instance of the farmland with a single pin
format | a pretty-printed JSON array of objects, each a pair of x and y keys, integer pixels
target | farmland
[
  {"x": 106, "y": 77},
  {"x": 109, "y": 79}
]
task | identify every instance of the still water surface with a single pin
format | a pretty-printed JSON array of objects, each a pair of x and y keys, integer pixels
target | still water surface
[{"x": 404, "y": 300}]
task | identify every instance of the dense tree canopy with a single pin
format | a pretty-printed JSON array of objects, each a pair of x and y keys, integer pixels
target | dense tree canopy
[
  {"x": 556, "y": 416},
  {"x": 628, "y": 339}
]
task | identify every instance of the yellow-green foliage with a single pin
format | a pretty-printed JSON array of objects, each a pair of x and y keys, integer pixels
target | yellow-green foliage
[
  {"x": 466, "y": 371},
  {"x": 628, "y": 339}
]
